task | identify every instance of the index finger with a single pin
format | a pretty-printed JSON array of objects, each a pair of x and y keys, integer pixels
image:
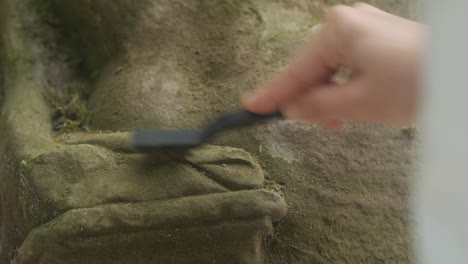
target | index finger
[{"x": 307, "y": 69}]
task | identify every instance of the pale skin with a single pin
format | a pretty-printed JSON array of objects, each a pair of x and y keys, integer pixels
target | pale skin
[{"x": 384, "y": 54}]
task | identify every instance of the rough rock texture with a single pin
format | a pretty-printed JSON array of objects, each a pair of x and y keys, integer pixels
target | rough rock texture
[
  {"x": 80, "y": 199},
  {"x": 86, "y": 198}
]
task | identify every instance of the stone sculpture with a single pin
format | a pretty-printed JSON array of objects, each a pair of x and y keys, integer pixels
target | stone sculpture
[{"x": 85, "y": 197}]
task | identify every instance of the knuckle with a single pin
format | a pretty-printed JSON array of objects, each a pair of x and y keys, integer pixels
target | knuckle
[
  {"x": 338, "y": 12},
  {"x": 346, "y": 22},
  {"x": 361, "y": 5}
]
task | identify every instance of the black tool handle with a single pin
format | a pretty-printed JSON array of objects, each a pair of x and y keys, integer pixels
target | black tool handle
[{"x": 238, "y": 119}]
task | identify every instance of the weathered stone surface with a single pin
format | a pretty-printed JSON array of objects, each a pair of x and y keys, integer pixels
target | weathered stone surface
[
  {"x": 236, "y": 221},
  {"x": 85, "y": 197},
  {"x": 90, "y": 193}
]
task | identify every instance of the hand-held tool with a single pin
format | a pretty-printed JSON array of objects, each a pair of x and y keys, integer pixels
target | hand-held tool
[{"x": 182, "y": 139}]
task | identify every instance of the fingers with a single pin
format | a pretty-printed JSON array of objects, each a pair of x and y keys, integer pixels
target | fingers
[
  {"x": 307, "y": 70},
  {"x": 380, "y": 49},
  {"x": 304, "y": 90},
  {"x": 328, "y": 102},
  {"x": 313, "y": 65}
]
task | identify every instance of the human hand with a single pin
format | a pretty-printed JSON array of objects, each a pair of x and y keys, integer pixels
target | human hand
[{"x": 383, "y": 52}]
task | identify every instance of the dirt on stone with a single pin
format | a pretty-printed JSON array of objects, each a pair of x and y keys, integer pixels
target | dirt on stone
[{"x": 188, "y": 61}]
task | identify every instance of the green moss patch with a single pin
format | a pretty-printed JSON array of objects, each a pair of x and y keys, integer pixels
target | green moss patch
[{"x": 69, "y": 109}]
